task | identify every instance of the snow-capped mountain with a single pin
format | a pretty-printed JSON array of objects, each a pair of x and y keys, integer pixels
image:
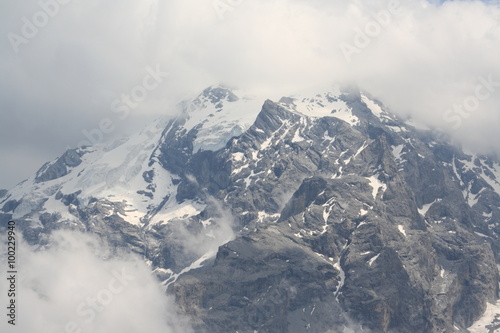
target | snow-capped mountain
[{"x": 318, "y": 212}]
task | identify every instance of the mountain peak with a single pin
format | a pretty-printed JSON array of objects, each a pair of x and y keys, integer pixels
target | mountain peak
[
  {"x": 217, "y": 94},
  {"x": 296, "y": 211}
]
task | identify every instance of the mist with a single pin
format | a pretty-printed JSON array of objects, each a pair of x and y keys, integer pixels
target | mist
[
  {"x": 76, "y": 285},
  {"x": 423, "y": 59}
]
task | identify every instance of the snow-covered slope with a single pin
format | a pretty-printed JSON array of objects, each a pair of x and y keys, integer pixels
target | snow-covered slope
[
  {"x": 124, "y": 171},
  {"x": 338, "y": 199},
  {"x": 489, "y": 322},
  {"x": 127, "y": 172},
  {"x": 326, "y": 104},
  {"x": 218, "y": 114}
]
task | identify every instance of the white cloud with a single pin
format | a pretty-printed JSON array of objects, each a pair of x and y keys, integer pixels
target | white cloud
[
  {"x": 77, "y": 286},
  {"x": 62, "y": 81}
]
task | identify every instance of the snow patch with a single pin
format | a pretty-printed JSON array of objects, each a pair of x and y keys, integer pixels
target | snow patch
[
  {"x": 397, "y": 153},
  {"x": 341, "y": 275},
  {"x": 262, "y": 216},
  {"x": 297, "y": 137},
  {"x": 217, "y": 122},
  {"x": 363, "y": 146},
  {"x": 494, "y": 181},
  {"x": 327, "y": 104},
  {"x": 238, "y": 157},
  {"x": 455, "y": 171},
  {"x": 374, "y": 107},
  {"x": 376, "y": 184},
  {"x": 372, "y": 260},
  {"x": 266, "y": 143},
  {"x": 490, "y": 317},
  {"x": 174, "y": 210},
  {"x": 397, "y": 129},
  {"x": 426, "y": 207},
  {"x": 481, "y": 235},
  {"x": 472, "y": 199},
  {"x": 196, "y": 264},
  {"x": 238, "y": 170},
  {"x": 402, "y": 230}
]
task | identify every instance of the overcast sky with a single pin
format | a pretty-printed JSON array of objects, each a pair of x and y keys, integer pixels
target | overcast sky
[{"x": 64, "y": 72}]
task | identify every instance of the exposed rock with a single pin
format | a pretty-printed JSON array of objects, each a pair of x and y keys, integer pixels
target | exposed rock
[
  {"x": 345, "y": 217},
  {"x": 59, "y": 168}
]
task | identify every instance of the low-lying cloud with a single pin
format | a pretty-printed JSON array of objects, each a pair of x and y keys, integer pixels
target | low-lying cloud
[{"x": 76, "y": 285}]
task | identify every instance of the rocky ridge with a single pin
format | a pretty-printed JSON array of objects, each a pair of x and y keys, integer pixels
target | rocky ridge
[{"x": 321, "y": 213}]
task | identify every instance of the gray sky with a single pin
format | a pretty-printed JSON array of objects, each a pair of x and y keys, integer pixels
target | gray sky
[{"x": 64, "y": 73}]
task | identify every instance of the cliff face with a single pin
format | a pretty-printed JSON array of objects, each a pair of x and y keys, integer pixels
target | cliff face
[
  {"x": 344, "y": 216},
  {"x": 388, "y": 228}
]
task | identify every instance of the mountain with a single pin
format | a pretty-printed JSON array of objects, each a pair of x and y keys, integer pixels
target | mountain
[{"x": 319, "y": 212}]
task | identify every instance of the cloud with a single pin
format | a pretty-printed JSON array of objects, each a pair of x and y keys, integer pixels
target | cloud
[
  {"x": 427, "y": 58},
  {"x": 77, "y": 285}
]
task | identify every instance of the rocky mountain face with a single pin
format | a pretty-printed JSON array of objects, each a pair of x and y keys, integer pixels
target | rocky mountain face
[{"x": 320, "y": 213}]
